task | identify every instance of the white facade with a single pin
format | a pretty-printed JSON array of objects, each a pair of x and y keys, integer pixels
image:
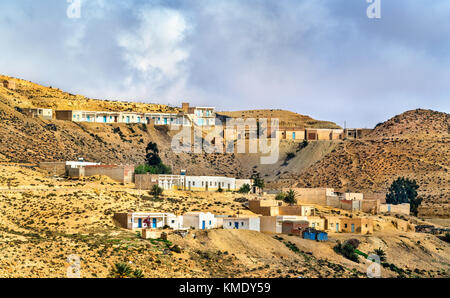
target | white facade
[
  {"x": 199, "y": 220},
  {"x": 204, "y": 116},
  {"x": 80, "y": 164},
  {"x": 200, "y": 183},
  {"x": 141, "y": 220},
  {"x": 242, "y": 223}
]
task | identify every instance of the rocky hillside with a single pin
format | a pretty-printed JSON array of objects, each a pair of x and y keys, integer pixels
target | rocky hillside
[{"x": 415, "y": 144}]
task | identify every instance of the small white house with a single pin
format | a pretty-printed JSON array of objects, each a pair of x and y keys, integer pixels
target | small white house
[
  {"x": 141, "y": 220},
  {"x": 242, "y": 223},
  {"x": 199, "y": 220}
]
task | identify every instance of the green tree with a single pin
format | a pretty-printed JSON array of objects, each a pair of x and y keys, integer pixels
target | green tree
[
  {"x": 219, "y": 189},
  {"x": 153, "y": 163},
  {"x": 404, "y": 190},
  {"x": 289, "y": 198},
  {"x": 121, "y": 270},
  {"x": 245, "y": 188},
  {"x": 258, "y": 182},
  {"x": 152, "y": 154},
  {"x": 156, "y": 191}
]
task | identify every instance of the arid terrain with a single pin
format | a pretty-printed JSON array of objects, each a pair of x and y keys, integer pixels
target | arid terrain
[{"x": 44, "y": 220}]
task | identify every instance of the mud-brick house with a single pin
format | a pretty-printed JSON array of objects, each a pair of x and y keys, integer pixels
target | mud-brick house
[
  {"x": 316, "y": 222},
  {"x": 294, "y": 227},
  {"x": 119, "y": 173},
  {"x": 46, "y": 114},
  {"x": 199, "y": 220},
  {"x": 356, "y": 225},
  {"x": 274, "y": 224},
  {"x": 333, "y": 223},
  {"x": 242, "y": 223},
  {"x": 142, "y": 220}
]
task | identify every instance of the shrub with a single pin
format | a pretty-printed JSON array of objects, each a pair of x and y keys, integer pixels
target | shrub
[
  {"x": 121, "y": 270},
  {"x": 347, "y": 250},
  {"x": 447, "y": 237},
  {"x": 280, "y": 196},
  {"x": 244, "y": 188},
  {"x": 156, "y": 191},
  {"x": 219, "y": 189}
]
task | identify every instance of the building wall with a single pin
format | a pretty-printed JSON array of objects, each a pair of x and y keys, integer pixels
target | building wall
[
  {"x": 371, "y": 206},
  {"x": 120, "y": 173},
  {"x": 312, "y": 195},
  {"x": 316, "y": 222},
  {"x": 294, "y": 227},
  {"x": 361, "y": 225},
  {"x": 54, "y": 168},
  {"x": 195, "y": 220},
  {"x": 400, "y": 208},
  {"x": 249, "y": 223},
  {"x": 333, "y": 224},
  {"x": 124, "y": 220},
  {"x": 145, "y": 181}
]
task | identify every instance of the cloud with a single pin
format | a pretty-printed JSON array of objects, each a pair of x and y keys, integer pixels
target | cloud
[{"x": 321, "y": 58}]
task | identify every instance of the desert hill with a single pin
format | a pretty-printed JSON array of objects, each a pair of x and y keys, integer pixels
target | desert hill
[{"x": 415, "y": 144}]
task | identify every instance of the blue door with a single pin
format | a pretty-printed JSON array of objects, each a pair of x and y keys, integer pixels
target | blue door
[
  {"x": 153, "y": 222},
  {"x": 165, "y": 120},
  {"x": 203, "y": 225},
  {"x": 139, "y": 222},
  {"x": 389, "y": 207},
  {"x": 236, "y": 225},
  {"x": 88, "y": 118},
  {"x": 337, "y": 227},
  {"x": 293, "y": 135},
  {"x": 128, "y": 119},
  {"x": 104, "y": 119},
  {"x": 353, "y": 228},
  {"x": 139, "y": 119}
]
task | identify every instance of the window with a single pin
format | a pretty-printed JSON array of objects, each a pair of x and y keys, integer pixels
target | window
[
  {"x": 345, "y": 225},
  {"x": 173, "y": 221},
  {"x": 230, "y": 223},
  {"x": 193, "y": 183},
  {"x": 366, "y": 225},
  {"x": 131, "y": 220},
  {"x": 209, "y": 222},
  {"x": 242, "y": 223},
  {"x": 203, "y": 183}
]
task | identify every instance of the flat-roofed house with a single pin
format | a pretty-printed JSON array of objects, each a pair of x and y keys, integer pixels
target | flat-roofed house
[
  {"x": 46, "y": 114},
  {"x": 357, "y": 225},
  {"x": 242, "y": 223},
  {"x": 199, "y": 220},
  {"x": 142, "y": 220},
  {"x": 273, "y": 224}
]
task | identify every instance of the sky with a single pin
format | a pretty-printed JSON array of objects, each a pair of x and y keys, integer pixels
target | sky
[{"x": 322, "y": 58}]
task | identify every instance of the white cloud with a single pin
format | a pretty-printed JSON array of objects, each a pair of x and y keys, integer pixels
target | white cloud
[{"x": 156, "y": 49}]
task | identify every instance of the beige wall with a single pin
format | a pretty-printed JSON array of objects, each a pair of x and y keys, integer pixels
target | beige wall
[
  {"x": 54, "y": 168},
  {"x": 120, "y": 173},
  {"x": 400, "y": 208},
  {"x": 362, "y": 225},
  {"x": 145, "y": 181},
  {"x": 311, "y": 195}
]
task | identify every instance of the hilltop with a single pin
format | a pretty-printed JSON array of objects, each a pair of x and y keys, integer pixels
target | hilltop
[
  {"x": 32, "y": 95},
  {"x": 415, "y": 144}
]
